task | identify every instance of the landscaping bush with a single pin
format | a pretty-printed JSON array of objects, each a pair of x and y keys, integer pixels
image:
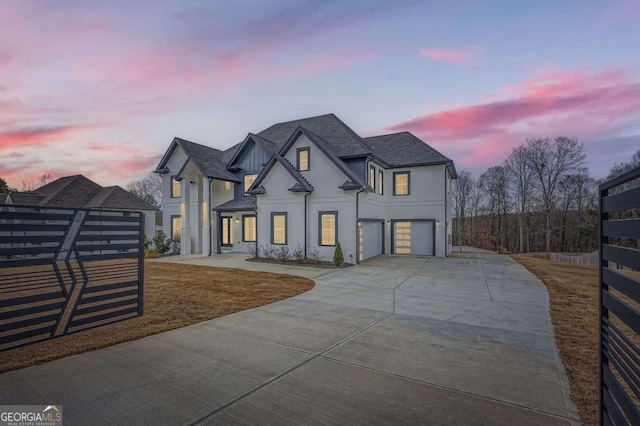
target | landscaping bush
[
  {"x": 268, "y": 251},
  {"x": 172, "y": 245},
  {"x": 314, "y": 254},
  {"x": 151, "y": 253},
  {"x": 338, "y": 257},
  {"x": 252, "y": 250},
  {"x": 159, "y": 242},
  {"x": 298, "y": 253},
  {"x": 282, "y": 253}
]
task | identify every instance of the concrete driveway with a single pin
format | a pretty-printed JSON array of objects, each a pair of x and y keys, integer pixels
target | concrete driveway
[{"x": 397, "y": 340}]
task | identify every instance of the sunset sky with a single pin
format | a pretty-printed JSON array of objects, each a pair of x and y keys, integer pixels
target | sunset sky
[{"x": 101, "y": 88}]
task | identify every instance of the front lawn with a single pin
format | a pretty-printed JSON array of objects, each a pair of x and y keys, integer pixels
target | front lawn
[{"x": 175, "y": 295}]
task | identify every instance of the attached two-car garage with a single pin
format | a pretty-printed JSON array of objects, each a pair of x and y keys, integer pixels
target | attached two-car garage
[{"x": 413, "y": 237}]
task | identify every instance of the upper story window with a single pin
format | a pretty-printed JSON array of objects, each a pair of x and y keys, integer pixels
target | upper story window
[
  {"x": 228, "y": 186},
  {"x": 380, "y": 182},
  {"x": 175, "y": 188},
  {"x": 248, "y": 181},
  {"x": 303, "y": 159},
  {"x": 401, "y": 183},
  {"x": 372, "y": 177}
]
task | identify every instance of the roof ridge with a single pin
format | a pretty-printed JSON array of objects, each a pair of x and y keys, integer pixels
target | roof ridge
[
  {"x": 196, "y": 143},
  {"x": 389, "y": 134},
  {"x": 350, "y": 130}
]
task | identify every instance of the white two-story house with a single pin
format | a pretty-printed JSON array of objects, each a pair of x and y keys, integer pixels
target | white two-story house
[{"x": 308, "y": 184}]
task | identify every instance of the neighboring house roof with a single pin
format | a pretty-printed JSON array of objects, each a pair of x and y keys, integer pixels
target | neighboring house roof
[
  {"x": 114, "y": 197},
  {"x": 239, "y": 204},
  {"x": 404, "y": 149},
  {"x": 79, "y": 192},
  {"x": 208, "y": 160},
  {"x": 3, "y": 197},
  {"x": 343, "y": 141}
]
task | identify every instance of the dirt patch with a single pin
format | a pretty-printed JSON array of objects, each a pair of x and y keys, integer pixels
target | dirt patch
[{"x": 175, "y": 295}]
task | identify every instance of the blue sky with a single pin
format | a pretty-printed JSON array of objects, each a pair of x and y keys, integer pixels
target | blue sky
[{"x": 101, "y": 88}]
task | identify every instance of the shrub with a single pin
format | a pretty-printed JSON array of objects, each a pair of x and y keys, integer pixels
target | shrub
[
  {"x": 252, "y": 249},
  {"x": 172, "y": 245},
  {"x": 268, "y": 251},
  {"x": 282, "y": 253},
  {"x": 151, "y": 253},
  {"x": 338, "y": 257},
  {"x": 159, "y": 242},
  {"x": 298, "y": 253},
  {"x": 314, "y": 254},
  {"x": 147, "y": 243}
]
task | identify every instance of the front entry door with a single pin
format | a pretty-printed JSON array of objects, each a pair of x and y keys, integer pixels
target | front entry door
[{"x": 227, "y": 238}]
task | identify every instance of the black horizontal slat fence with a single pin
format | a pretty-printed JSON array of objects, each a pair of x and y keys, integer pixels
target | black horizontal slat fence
[
  {"x": 620, "y": 300},
  {"x": 67, "y": 270}
]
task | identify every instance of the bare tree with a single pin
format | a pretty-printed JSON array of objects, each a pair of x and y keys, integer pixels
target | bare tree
[
  {"x": 494, "y": 184},
  {"x": 521, "y": 180},
  {"x": 462, "y": 192},
  {"x": 29, "y": 185},
  {"x": 148, "y": 189},
  {"x": 550, "y": 161}
]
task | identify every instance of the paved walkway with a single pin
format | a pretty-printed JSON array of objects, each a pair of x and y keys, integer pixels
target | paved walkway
[{"x": 397, "y": 340}]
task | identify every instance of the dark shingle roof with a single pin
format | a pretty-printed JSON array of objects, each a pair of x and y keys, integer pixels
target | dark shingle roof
[
  {"x": 3, "y": 197},
  {"x": 239, "y": 204},
  {"x": 209, "y": 160},
  {"x": 301, "y": 185},
  {"x": 79, "y": 192},
  {"x": 24, "y": 199},
  {"x": 344, "y": 142},
  {"x": 114, "y": 197},
  {"x": 69, "y": 191},
  {"x": 404, "y": 149}
]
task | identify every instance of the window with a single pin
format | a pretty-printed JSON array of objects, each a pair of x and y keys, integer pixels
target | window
[
  {"x": 328, "y": 228},
  {"x": 175, "y": 188},
  {"x": 380, "y": 181},
  {"x": 303, "y": 159},
  {"x": 278, "y": 228},
  {"x": 176, "y": 224},
  {"x": 228, "y": 186},
  {"x": 372, "y": 177},
  {"x": 401, "y": 183},
  {"x": 248, "y": 181},
  {"x": 248, "y": 228}
]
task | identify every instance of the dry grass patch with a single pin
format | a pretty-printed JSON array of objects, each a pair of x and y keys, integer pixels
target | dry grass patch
[
  {"x": 573, "y": 294},
  {"x": 175, "y": 295}
]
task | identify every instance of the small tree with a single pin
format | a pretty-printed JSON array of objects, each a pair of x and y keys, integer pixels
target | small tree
[{"x": 338, "y": 257}]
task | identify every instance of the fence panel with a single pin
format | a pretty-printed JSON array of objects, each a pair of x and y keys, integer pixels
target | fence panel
[
  {"x": 67, "y": 270},
  {"x": 620, "y": 300}
]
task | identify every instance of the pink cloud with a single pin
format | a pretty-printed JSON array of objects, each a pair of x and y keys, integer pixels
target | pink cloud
[
  {"x": 35, "y": 136},
  {"x": 576, "y": 103},
  {"x": 455, "y": 55}
]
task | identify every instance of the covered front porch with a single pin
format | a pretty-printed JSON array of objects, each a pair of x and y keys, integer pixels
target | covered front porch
[{"x": 235, "y": 226}]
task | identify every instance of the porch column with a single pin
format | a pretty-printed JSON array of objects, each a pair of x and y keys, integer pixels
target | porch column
[
  {"x": 185, "y": 213},
  {"x": 206, "y": 221}
]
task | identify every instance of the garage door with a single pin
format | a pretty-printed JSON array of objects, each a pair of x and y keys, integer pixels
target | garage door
[
  {"x": 370, "y": 239},
  {"x": 413, "y": 238}
]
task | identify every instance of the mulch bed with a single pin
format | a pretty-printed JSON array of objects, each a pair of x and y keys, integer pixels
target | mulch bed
[{"x": 308, "y": 262}]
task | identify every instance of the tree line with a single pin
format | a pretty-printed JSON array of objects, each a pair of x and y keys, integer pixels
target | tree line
[{"x": 541, "y": 198}]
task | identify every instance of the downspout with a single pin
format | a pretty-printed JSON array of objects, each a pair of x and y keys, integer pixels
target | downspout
[
  {"x": 305, "y": 223},
  {"x": 210, "y": 210},
  {"x": 358, "y": 230},
  {"x": 256, "y": 242}
]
